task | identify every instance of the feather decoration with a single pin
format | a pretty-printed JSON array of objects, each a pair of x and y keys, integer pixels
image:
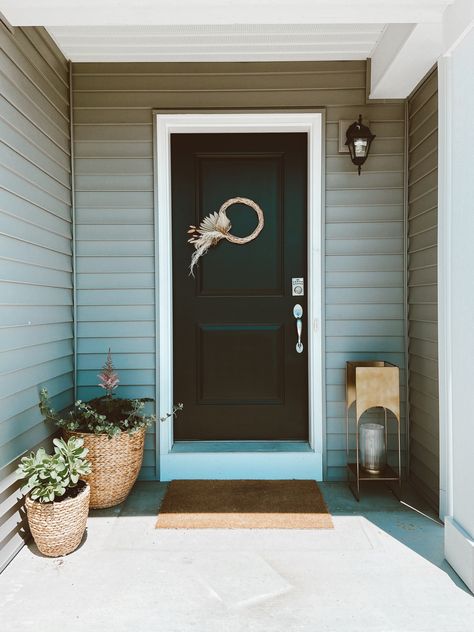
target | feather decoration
[{"x": 211, "y": 230}]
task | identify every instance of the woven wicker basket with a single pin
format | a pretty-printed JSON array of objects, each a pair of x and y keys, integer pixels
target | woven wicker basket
[
  {"x": 57, "y": 528},
  {"x": 115, "y": 462}
]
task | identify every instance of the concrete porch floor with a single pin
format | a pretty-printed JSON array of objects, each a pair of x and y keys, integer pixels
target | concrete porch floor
[{"x": 380, "y": 570}]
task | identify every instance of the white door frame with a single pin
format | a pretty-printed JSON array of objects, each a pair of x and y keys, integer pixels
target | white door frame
[{"x": 242, "y": 463}]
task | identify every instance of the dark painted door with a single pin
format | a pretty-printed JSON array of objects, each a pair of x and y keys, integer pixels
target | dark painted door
[{"x": 236, "y": 368}]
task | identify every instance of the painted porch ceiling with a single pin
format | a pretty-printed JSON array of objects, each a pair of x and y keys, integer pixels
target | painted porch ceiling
[
  {"x": 237, "y": 42},
  {"x": 176, "y": 12},
  {"x": 403, "y": 38},
  {"x": 220, "y": 30}
]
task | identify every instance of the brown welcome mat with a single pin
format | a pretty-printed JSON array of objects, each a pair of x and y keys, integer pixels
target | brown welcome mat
[{"x": 243, "y": 505}]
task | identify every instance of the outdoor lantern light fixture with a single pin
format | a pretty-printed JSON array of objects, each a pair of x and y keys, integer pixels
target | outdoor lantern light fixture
[{"x": 358, "y": 140}]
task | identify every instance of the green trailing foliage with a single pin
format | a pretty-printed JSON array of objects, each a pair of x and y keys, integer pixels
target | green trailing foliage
[
  {"x": 51, "y": 477},
  {"x": 108, "y": 414},
  {"x": 176, "y": 409},
  {"x": 103, "y": 415}
]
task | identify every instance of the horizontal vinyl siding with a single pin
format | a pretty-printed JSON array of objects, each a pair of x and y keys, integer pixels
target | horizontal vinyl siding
[
  {"x": 114, "y": 178},
  {"x": 36, "y": 347},
  {"x": 423, "y": 287},
  {"x": 364, "y": 262}
]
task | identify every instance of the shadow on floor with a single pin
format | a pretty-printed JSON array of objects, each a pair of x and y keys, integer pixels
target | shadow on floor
[{"x": 411, "y": 522}]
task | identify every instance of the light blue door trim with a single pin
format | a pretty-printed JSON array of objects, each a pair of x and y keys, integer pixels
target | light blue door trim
[{"x": 172, "y": 464}]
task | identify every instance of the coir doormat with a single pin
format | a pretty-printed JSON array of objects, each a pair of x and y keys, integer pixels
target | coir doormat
[{"x": 243, "y": 504}]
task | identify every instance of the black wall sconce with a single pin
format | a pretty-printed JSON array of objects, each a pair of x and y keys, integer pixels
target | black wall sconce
[{"x": 358, "y": 140}]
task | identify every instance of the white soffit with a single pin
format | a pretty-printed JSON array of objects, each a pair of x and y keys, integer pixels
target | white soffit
[
  {"x": 174, "y": 12},
  {"x": 237, "y": 42}
]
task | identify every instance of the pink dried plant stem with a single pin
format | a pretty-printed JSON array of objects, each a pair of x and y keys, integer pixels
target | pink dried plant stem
[{"x": 108, "y": 377}]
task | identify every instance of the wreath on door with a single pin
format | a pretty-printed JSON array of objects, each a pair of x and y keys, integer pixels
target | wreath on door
[{"x": 217, "y": 226}]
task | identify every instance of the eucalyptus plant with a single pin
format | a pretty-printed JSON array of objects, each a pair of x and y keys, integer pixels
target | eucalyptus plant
[{"x": 50, "y": 476}]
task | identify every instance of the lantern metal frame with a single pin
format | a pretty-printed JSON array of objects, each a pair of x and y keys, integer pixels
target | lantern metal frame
[{"x": 358, "y": 131}]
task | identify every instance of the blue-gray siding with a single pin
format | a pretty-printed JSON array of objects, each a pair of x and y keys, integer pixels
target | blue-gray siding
[
  {"x": 35, "y": 254},
  {"x": 423, "y": 287},
  {"x": 364, "y": 283}
]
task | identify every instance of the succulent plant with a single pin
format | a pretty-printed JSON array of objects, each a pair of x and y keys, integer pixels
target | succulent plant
[{"x": 51, "y": 476}]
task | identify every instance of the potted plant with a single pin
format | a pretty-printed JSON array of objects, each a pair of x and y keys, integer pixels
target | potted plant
[
  {"x": 57, "y": 497},
  {"x": 113, "y": 430}
]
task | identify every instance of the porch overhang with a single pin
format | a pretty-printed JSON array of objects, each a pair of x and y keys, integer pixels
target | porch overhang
[
  {"x": 403, "y": 39},
  {"x": 406, "y": 52},
  {"x": 130, "y": 13}
]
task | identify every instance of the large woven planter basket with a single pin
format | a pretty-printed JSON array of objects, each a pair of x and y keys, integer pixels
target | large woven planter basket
[
  {"x": 57, "y": 528},
  {"x": 115, "y": 462}
]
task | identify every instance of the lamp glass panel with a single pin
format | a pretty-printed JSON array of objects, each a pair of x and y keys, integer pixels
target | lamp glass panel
[{"x": 360, "y": 147}]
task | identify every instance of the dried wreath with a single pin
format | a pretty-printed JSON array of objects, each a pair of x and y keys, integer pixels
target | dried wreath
[{"x": 216, "y": 226}]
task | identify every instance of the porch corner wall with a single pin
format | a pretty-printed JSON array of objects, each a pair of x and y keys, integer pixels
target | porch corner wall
[
  {"x": 36, "y": 329},
  {"x": 422, "y": 231},
  {"x": 364, "y": 216}
]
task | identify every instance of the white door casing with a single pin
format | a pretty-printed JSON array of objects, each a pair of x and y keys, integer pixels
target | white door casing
[{"x": 241, "y": 463}]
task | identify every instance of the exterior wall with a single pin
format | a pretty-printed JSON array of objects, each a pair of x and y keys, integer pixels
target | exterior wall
[
  {"x": 423, "y": 287},
  {"x": 35, "y": 254},
  {"x": 114, "y": 180},
  {"x": 457, "y": 303}
]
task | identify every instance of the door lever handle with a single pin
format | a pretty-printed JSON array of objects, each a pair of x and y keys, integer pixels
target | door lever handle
[
  {"x": 299, "y": 329},
  {"x": 298, "y": 313}
]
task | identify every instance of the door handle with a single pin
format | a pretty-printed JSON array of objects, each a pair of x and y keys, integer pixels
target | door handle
[{"x": 298, "y": 313}]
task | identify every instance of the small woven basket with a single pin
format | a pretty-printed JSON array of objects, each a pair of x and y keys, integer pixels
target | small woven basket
[
  {"x": 115, "y": 463},
  {"x": 57, "y": 528}
]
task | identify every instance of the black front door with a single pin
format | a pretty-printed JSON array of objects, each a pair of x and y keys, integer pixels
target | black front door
[{"x": 236, "y": 368}]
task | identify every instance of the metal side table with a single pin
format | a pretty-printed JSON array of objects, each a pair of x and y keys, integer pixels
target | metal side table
[{"x": 372, "y": 385}]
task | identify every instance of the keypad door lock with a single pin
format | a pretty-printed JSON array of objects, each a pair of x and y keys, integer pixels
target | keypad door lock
[{"x": 297, "y": 286}]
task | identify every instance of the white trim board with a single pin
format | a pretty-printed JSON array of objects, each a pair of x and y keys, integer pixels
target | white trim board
[
  {"x": 445, "y": 160},
  {"x": 456, "y": 303},
  {"x": 190, "y": 12},
  {"x": 243, "y": 464},
  {"x": 459, "y": 551}
]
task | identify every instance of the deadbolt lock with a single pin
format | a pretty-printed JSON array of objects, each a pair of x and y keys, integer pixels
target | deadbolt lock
[{"x": 297, "y": 286}]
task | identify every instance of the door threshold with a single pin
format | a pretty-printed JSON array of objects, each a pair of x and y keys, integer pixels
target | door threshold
[
  {"x": 241, "y": 460},
  {"x": 240, "y": 446}
]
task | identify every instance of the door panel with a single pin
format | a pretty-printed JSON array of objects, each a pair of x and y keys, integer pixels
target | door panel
[
  {"x": 235, "y": 365},
  {"x": 229, "y": 272},
  {"x": 224, "y": 349}
]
